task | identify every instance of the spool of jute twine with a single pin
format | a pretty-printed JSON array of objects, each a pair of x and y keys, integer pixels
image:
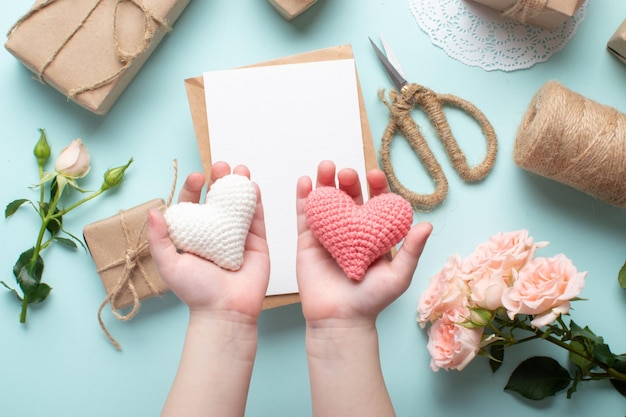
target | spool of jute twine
[{"x": 576, "y": 141}]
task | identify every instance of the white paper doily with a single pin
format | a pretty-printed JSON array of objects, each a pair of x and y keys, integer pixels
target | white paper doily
[{"x": 479, "y": 36}]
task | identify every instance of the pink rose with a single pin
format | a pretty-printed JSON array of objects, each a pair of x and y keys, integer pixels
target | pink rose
[
  {"x": 445, "y": 291},
  {"x": 487, "y": 287},
  {"x": 73, "y": 161},
  {"x": 504, "y": 251},
  {"x": 452, "y": 346},
  {"x": 543, "y": 289}
]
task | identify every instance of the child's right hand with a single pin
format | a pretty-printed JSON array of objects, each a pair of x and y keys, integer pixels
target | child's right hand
[{"x": 202, "y": 285}]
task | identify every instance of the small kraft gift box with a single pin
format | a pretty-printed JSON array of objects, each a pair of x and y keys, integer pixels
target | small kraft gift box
[
  {"x": 90, "y": 50},
  {"x": 290, "y": 9},
  {"x": 545, "y": 14},
  {"x": 617, "y": 44},
  {"x": 122, "y": 257}
]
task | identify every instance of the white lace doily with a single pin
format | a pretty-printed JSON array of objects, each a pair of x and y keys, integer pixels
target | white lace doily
[{"x": 479, "y": 36}]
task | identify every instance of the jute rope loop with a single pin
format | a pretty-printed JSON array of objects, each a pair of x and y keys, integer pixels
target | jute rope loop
[
  {"x": 400, "y": 107},
  {"x": 524, "y": 10},
  {"x": 125, "y": 58},
  {"x": 137, "y": 248}
]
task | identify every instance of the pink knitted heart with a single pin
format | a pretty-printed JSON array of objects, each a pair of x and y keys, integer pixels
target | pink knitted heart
[{"x": 356, "y": 235}]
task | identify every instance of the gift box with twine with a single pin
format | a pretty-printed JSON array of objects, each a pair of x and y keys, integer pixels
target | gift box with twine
[
  {"x": 90, "y": 50},
  {"x": 122, "y": 257},
  {"x": 617, "y": 44},
  {"x": 545, "y": 14},
  {"x": 290, "y": 9}
]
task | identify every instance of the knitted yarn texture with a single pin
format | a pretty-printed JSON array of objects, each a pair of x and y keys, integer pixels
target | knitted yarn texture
[
  {"x": 216, "y": 230},
  {"x": 357, "y": 235},
  {"x": 576, "y": 141}
]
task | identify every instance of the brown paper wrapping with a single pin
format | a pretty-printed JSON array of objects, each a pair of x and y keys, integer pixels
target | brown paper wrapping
[
  {"x": 108, "y": 245},
  {"x": 290, "y": 9},
  {"x": 195, "y": 95},
  {"x": 71, "y": 44},
  {"x": 552, "y": 15},
  {"x": 617, "y": 43}
]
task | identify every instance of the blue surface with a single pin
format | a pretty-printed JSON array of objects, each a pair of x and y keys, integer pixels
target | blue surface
[{"x": 60, "y": 364}]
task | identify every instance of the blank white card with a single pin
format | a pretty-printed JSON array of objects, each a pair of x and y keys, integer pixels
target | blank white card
[{"x": 281, "y": 121}]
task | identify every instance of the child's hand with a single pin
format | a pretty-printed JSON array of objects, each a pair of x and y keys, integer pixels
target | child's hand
[
  {"x": 328, "y": 297},
  {"x": 201, "y": 284}
]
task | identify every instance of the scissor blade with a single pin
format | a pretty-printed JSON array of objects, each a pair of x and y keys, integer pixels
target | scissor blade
[
  {"x": 397, "y": 79},
  {"x": 392, "y": 57}
]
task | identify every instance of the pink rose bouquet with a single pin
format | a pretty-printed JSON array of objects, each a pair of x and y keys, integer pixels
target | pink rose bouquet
[
  {"x": 72, "y": 163},
  {"x": 482, "y": 304}
]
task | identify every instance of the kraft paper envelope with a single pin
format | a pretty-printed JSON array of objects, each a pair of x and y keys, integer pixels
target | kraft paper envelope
[{"x": 197, "y": 104}]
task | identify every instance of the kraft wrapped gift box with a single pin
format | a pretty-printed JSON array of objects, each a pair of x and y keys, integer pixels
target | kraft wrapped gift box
[
  {"x": 290, "y": 9},
  {"x": 617, "y": 43},
  {"x": 90, "y": 50},
  {"x": 546, "y": 16},
  {"x": 118, "y": 246}
]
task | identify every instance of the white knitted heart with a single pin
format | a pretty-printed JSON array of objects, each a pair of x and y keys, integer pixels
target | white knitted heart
[{"x": 217, "y": 229}]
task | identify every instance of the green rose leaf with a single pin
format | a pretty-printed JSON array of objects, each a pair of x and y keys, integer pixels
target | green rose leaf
[
  {"x": 620, "y": 366},
  {"x": 580, "y": 359},
  {"x": 538, "y": 377},
  {"x": 621, "y": 276},
  {"x": 496, "y": 352},
  {"x": 602, "y": 353},
  {"x": 13, "y": 206},
  {"x": 572, "y": 389},
  {"x": 585, "y": 333},
  {"x": 54, "y": 187},
  {"x": 5, "y": 285},
  {"x": 75, "y": 242},
  {"x": 54, "y": 226},
  {"x": 27, "y": 274},
  {"x": 66, "y": 242},
  {"x": 40, "y": 293},
  {"x": 583, "y": 344},
  {"x": 620, "y": 386}
]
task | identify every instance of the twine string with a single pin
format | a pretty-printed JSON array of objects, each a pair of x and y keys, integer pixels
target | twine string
[
  {"x": 524, "y": 10},
  {"x": 401, "y": 121},
  {"x": 136, "y": 249},
  {"x": 571, "y": 139},
  {"x": 400, "y": 107},
  {"x": 125, "y": 58}
]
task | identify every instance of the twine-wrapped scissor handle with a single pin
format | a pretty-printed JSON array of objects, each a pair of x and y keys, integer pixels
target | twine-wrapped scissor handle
[{"x": 415, "y": 95}]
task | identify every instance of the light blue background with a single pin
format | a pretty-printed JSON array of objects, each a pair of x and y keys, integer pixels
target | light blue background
[{"x": 60, "y": 364}]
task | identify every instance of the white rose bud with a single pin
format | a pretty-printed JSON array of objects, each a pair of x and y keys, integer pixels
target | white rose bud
[{"x": 73, "y": 161}]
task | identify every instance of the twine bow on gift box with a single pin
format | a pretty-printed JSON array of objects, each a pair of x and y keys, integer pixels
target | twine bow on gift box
[
  {"x": 151, "y": 23},
  {"x": 524, "y": 11},
  {"x": 131, "y": 261},
  {"x": 137, "y": 248}
]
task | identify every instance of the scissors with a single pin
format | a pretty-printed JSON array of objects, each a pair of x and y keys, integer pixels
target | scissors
[{"x": 408, "y": 96}]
